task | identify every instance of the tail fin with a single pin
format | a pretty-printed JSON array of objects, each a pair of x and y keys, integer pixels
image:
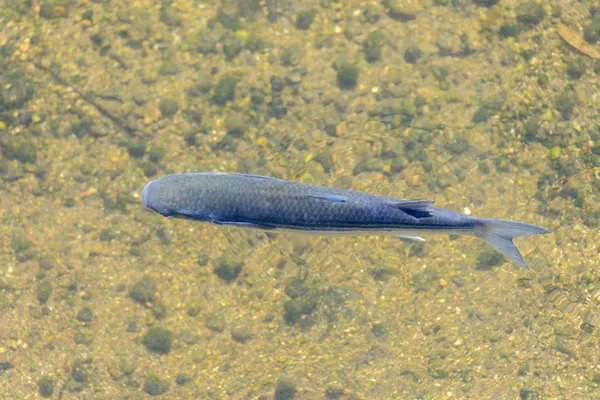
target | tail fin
[{"x": 499, "y": 234}]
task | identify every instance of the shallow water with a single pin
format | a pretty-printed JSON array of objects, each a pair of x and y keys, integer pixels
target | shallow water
[{"x": 480, "y": 106}]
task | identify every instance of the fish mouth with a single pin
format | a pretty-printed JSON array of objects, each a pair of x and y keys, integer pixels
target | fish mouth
[{"x": 145, "y": 194}]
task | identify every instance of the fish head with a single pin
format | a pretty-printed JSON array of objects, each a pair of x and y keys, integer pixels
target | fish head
[{"x": 163, "y": 196}]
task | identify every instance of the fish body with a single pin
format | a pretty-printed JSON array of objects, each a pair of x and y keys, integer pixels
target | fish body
[{"x": 260, "y": 202}]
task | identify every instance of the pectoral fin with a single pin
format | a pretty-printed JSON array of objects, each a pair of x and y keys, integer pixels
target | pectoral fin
[
  {"x": 411, "y": 237},
  {"x": 245, "y": 224}
]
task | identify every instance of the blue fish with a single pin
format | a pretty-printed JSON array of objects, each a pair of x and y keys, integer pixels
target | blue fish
[{"x": 270, "y": 204}]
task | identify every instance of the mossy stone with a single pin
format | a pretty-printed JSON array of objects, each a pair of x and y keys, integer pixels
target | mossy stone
[
  {"x": 228, "y": 268},
  {"x": 46, "y": 263},
  {"x": 206, "y": 40},
  {"x": 591, "y": 32},
  {"x": 22, "y": 150},
  {"x": 20, "y": 6},
  {"x": 155, "y": 386},
  {"x": 378, "y": 330},
  {"x": 15, "y": 88},
  {"x": 79, "y": 372},
  {"x": 232, "y": 46},
  {"x": 409, "y": 108},
  {"x": 372, "y": 14},
  {"x": 43, "y": 292},
  {"x": 565, "y": 103},
  {"x": 46, "y": 387},
  {"x": 170, "y": 16},
  {"x": 50, "y": 9},
  {"x": 159, "y": 310},
  {"x": 502, "y": 164},
  {"x": 21, "y": 243},
  {"x": 158, "y": 340},
  {"x": 236, "y": 124},
  {"x": 85, "y": 314},
  {"x": 531, "y": 127},
  {"x": 156, "y": 154},
  {"x": 489, "y": 108},
  {"x": 510, "y": 29},
  {"x": 292, "y": 311},
  {"x": 400, "y": 10},
  {"x": 225, "y": 89},
  {"x": 304, "y": 19},
  {"x": 543, "y": 79},
  {"x": 202, "y": 84},
  {"x": 169, "y": 67},
  {"x": 528, "y": 394},
  {"x": 229, "y": 17},
  {"x": 575, "y": 68},
  {"x": 486, "y": 3},
  {"x": 143, "y": 291},
  {"x": 530, "y": 13},
  {"x": 285, "y": 390},
  {"x": 241, "y": 333},
  {"x": 296, "y": 288},
  {"x": 488, "y": 259},
  {"x": 182, "y": 379},
  {"x": 309, "y": 301},
  {"x": 373, "y": 45},
  {"x": 168, "y": 107},
  {"x": 347, "y": 74},
  {"x": 136, "y": 148},
  {"x": 277, "y": 83},
  {"x": 412, "y": 54},
  {"x": 215, "y": 322}
]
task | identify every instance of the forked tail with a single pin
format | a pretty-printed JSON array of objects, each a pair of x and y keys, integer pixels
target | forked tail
[{"x": 499, "y": 233}]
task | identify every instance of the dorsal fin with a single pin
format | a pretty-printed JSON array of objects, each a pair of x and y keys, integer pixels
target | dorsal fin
[
  {"x": 414, "y": 208},
  {"x": 412, "y": 204}
]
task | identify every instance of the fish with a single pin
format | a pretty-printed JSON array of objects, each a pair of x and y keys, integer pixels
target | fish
[{"x": 274, "y": 205}]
